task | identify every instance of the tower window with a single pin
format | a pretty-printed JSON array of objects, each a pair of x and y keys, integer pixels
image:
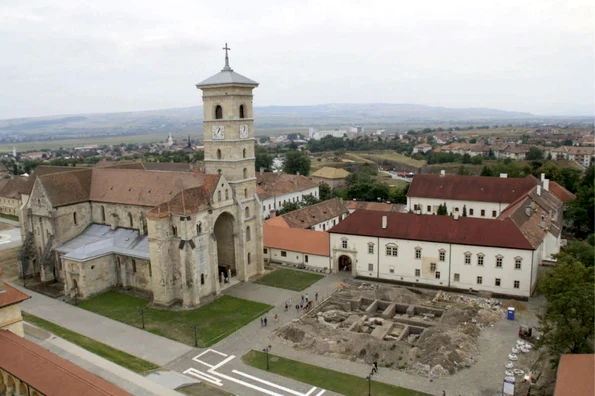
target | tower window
[
  {"x": 219, "y": 196},
  {"x": 130, "y": 219},
  {"x": 244, "y": 153},
  {"x": 245, "y": 193},
  {"x": 218, "y": 154},
  {"x": 103, "y": 214},
  {"x": 247, "y": 212},
  {"x": 242, "y": 111},
  {"x": 245, "y": 172},
  {"x": 174, "y": 230},
  {"x": 248, "y": 236},
  {"x": 249, "y": 258},
  {"x": 74, "y": 219},
  {"x": 134, "y": 265},
  {"x": 218, "y": 112},
  {"x": 199, "y": 228},
  {"x": 202, "y": 279},
  {"x": 226, "y": 194}
]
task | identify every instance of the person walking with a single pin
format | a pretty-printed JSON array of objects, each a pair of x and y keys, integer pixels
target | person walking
[
  {"x": 265, "y": 321},
  {"x": 307, "y": 298},
  {"x": 316, "y": 295},
  {"x": 285, "y": 307},
  {"x": 297, "y": 307},
  {"x": 261, "y": 322},
  {"x": 375, "y": 369},
  {"x": 276, "y": 318}
]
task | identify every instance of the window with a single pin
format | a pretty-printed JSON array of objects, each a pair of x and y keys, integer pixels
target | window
[
  {"x": 517, "y": 263},
  {"x": 150, "y": 270},
  {"x": 457, "y": 277},
  {"x": 497, "y": 282},
  {"x": 432, "y": 267},
  {"x": 498, "y": 262},
  {"x": 283, "y": 254},
  {"x": 370, "y": 248},
  {"x": 247, "y": 212},
  {"x": 219, "y": 196},
  {"x": 470, "y": 212},
  {"x": 244, "y": 153},
  {"x": 249, "y": 258},
  {"x": 437, "y": 274},
  {"x": 324, "y": 229},
  {"x": 479, "y": 280},
  {"x": 483, "y": 212},
  {"x": 416, "y": 207},
  {"x": 344, "y": 243},
  {"x": 370, "y": 267},
  {"x": 134, "y": 265},
  {"x": 218, "y": 154},
  {"x": 202, "y": 279},
  {"x": 245, "y": 173},
  {"x": 493, "y": 213},
  {"x": 219, "y": 171},
  {"x": 130, "y": 223},
  {"x": 242, "y": 111},
  {"x": 517, "y": 284},
  {"x": 391, "y": 270},
  {"x": 74, "y": 219},
  {"x": 199, "y": 228},
  {"x": 395, "y": 251},
  {"x": 245, "y": 193},
  {"x": 103, "y": 214},
  {"x": 174, "y": 231},
  {"x": 389, "y": 251},
  {"x": 456, "y": 209},
  {"x": 467, "y": 258},
  {"x": 248, "y": 235},
  {"x": 265, "y": 250},
  {"x": 306, "y": 258},
  {"x": 226, "y": 194},
  {"x": 480, "y": 259},
  {"x": 417, "y": 272},
  {"x": 417, "y": 253},
  {"x": 442, "y": 255},
  {"x": 429, "y": 208},
  {"x": 218, "y": 112}
]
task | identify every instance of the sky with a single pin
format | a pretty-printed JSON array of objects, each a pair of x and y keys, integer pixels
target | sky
[{"x": 88, "y": 56}]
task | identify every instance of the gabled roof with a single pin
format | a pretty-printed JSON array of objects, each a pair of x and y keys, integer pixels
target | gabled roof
[
  {"x": 67, "y": 188},
  {"x": 442, "y": 229},
  {"x": 270, "y": 184},
  {"x": 576, "y": 375},
  {"x": 187, "y": 201},
  {"x": 470, "y": 188},
  {"x": 277, "y": 221},
  {"x": 378, "y": 206},
  {"x": 10, "y": 295},
  {"x": 562, "y": 193},
  {"x": 296, "y": 240},
  {"x": 328, "y": 172},
  {"x": 49, "y": 373},
  {"x": 314, "y": 214}
]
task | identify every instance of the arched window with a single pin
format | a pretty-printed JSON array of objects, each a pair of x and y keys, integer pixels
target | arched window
[
  {"x": 174, "y": 230},
  {"x": 245, "y": 172},
  {"x": 248, "y": 235},
  {"x": 245, "y": 193},
  {"x": 218, "y": 112},
  {"x": 242, "y": 111},
  {"x": 103, "y": 214},
  {"x": 202, "y": 279},
  {"x": 199, "y": 228},
  {"x": 244, "y": 153},
  {"x": 133, "y": 265},
  {"x": 219, "y": 171},
  {"x": 226, "y": 194},
  {"x": 249, "y": 258},
  {"x": 247, "y": 212},
  {"x": 130, "y": 219},
  {"x": 74, "y": 219},
  {"x": 218, "y": 154},
  {"x": 219, "y": 196}
]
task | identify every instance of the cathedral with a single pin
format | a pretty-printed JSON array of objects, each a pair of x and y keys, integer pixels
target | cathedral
[{"x": 177, "y": 235}]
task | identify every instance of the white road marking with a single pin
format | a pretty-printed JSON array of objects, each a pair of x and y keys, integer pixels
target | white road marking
[
  {"x": 203, "y": 376},
  {"x": 320, "y": 393},
  {"x": 230, "y": 358},
  {"x": 268, "y": 383},
  {"x": 310, "y": 391},
  {"x": 246, "y": 384}
]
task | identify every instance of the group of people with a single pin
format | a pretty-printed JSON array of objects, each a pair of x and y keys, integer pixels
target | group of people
[{"x": 304, "y": 302}]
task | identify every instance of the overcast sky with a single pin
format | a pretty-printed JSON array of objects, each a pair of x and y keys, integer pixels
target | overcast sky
[{"x": 81, "y": 56}]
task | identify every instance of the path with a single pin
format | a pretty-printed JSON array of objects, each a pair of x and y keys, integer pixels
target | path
[{"x": 137, "y": 342}]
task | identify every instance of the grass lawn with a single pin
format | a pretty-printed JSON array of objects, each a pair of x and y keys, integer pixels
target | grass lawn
[
  {"x": 393, "y": 156},
  {"x": 201, "y": 389},
  {"x": 289, "y": 279},
  {"x": 105, "y": 351},
  {"x": 331, "y": 380},
  {"x": 387, "y": 179},
  {"x": 215, "y": 320},
  {"x": 9, "y": 217}
]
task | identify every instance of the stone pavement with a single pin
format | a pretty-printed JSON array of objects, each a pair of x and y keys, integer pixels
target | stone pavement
[{"x": 137, "y": 342}]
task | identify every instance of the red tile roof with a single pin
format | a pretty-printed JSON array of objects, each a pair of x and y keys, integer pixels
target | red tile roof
[
  {"x": 296, "y": 240},
  {"x": 11, "y": 296},
  {"x": 470, "y": 188},
  {"x": 314, "y": 214},
  {"x": 269, "y": 184},
  {"x": 49, "y": 373},
  {"x": 444, "y": 229},
  {"x": 563, "y": 194},
  {"x": 576, "y": 375},
  {"x": 277, "y": 221},
  {"x": 378, "y": 206}
]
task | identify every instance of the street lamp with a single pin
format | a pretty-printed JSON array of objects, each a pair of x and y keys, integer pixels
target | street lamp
[
  {"x": 369, "y": 379},
  {"x": 195, "y": 326},
  {"x": 141, "y": 311},
  {"x": 266, "y": 351}
]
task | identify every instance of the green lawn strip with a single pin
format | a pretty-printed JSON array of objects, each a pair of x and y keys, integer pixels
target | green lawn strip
[
  {"x": 9, "y": 217},
  {"x": 105, "y": 351},
  {"x": 289, "y": 279},
  {"x": 215, "y": 320},
  {"x": 331, "y": 380}
]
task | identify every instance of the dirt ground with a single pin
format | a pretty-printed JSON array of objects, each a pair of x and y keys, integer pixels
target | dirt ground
[{"x": 9, "y": 262}]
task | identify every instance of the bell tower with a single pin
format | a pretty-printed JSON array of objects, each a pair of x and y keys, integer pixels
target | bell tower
[{"x": 229, "y": 128}]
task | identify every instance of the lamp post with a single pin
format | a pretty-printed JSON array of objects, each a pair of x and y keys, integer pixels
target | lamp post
[
  {"x": 369, "y": 379},
  {"x": 195, "y": 326},
  {"x": 141, "y": 311},
  {"x": 266, "y": 351}
]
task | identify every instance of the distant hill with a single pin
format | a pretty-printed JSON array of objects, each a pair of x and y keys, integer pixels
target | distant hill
[{"x": 189, "y": 119}]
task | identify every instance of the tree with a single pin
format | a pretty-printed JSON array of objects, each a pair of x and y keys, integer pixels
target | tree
[
  {"x": 464, "y": 210},
  {"x": 486, "y": 171},
  {"x": 477, "y": 160},
  {"x": 466, "y": 159},
  {"x": 568, "y": 324},
  {"x": 263, "y": 161},
  {"x": 296, "y": 161},
  {"x": 308, "y": 200},
  {"x": 463, "y": 171},
  {"x": 581, "y": 251},
  {"x": 534, "y": 154},
  {"x": 442, "y": 210},
  {"x": 324, "y": 191},
  {"x": 581, "y": 211},
  {"x": 264, "y": 139},
  {"x": 289, "y": 207}
]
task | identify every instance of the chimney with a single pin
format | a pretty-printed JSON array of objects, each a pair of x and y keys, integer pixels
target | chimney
[
  {"x": 2, "y": 290},
  {"x": 503, "y": 175},
  {"x": 273, "y": 213},
  {"x": 384, "y": 222},
  {"x": 442, "y": 172},
  {"x": 539, "y": 190},
  {"x": 546, "y": 184},
  {"x": 542, "y": 176}
]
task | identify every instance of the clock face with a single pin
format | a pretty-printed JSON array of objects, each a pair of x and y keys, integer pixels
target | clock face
[
  {"x": 218, "y": 132},
  {"x": 243, "y": 131}
]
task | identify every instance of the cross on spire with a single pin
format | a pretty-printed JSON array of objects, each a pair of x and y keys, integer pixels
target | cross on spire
[{"x": 227, "y": 68}]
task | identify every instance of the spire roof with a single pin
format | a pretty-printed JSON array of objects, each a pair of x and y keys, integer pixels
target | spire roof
[{"x": 226, "y": 76}]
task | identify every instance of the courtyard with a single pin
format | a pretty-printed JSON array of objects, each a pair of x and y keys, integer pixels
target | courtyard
[
  {"x": 289, "y": 279},
  {"x": 214, "y": 321}
]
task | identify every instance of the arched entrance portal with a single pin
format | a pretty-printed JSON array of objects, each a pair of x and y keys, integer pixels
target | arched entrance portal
[
  {"x": 226, "y": 250},
  {"x": 345, "y": 263}
]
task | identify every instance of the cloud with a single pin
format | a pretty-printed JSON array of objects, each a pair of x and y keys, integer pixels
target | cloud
[{"x": 83, "y": 56}]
